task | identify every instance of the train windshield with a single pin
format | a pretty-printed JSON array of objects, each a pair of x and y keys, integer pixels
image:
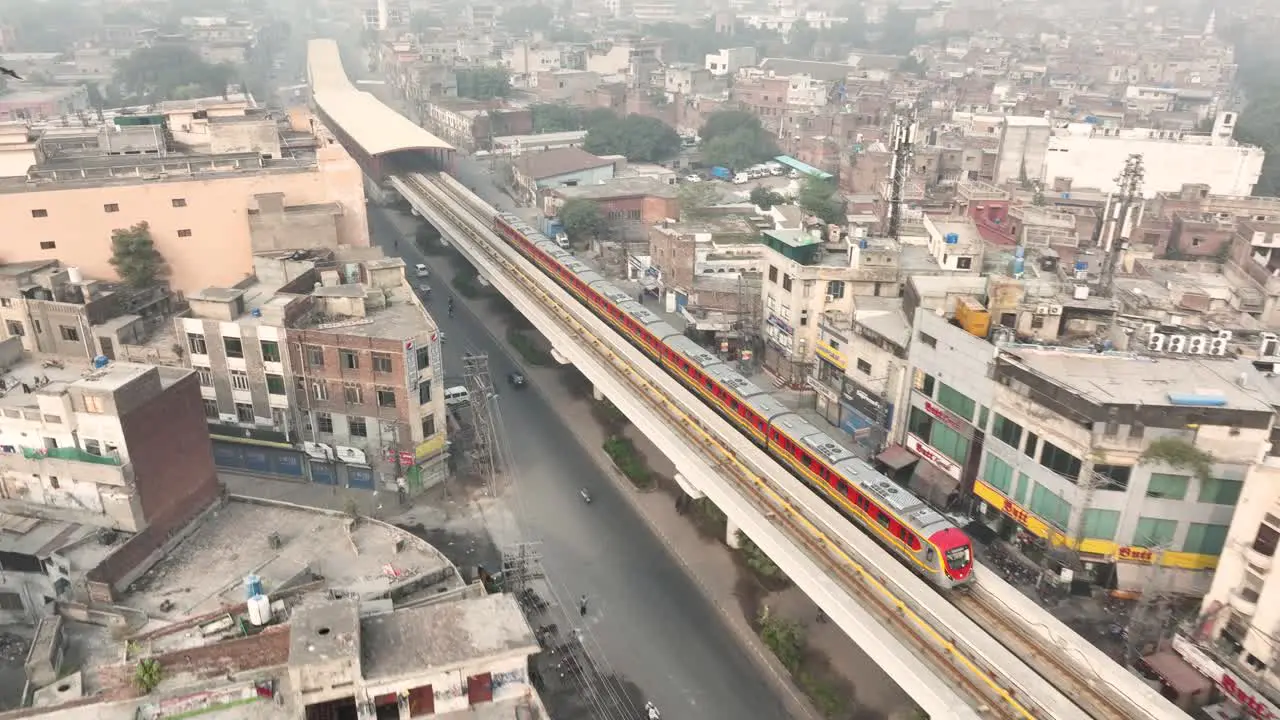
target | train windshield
[{"x": 958, "y": 558}]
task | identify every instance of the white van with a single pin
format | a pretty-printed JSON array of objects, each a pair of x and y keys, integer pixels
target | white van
[
  {"x": 741, "y": 179},
  {"x": 562, "y": 240},
  {"x": 456, "y": 395}
]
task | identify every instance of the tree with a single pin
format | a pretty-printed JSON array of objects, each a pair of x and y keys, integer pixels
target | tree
[
  {"x": 583, "y": 219},
  {"x": 695, "y": 198},
  {"x": 765, "y": 198},
  {"x": 783, "y": 637},
  {"x": 554, "y": 117},
  {"x": 135, "y": 257},
  {"x": 170, "y": 72},
  {"x": 483, "y": 83},
  {"x": 736, "y": 139},
  {"x": 821, "y": 198},
  {"x": 638, "y": 137},
  {"x": 147, "y": 675}
]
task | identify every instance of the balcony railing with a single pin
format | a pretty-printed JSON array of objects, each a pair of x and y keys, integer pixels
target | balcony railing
[{"x": 69, "y": 453}]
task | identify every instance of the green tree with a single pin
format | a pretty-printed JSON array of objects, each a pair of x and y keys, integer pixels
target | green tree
[
  {"x": 638, "y": 137},
  {"x": 147, "y": 675},
  {"x": 483, "y": 83},
  {"x": 765, "y": 198},
  {"x": 135, "y": 257},
  {"x": 1258, "y": 55},
  {"x": 736, "y": 139},
  {"x": 784, "y": 638},
  {"x": 695, "y": 198},
  {"x": 170, "y": 72},
  {"x": 583, "y": 219},
  {"x": 554, "y": 117},
  {"x": 822, "y": 198}
]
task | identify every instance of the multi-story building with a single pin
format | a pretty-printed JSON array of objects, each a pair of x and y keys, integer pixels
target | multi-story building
[
  {"x": 63, "y": 193},
  {"x": 324, "y": 366},
  {"x": 728, "y": 61},
  {"x": 90, "y": 450},
  {"x": 1129, "y": 466}
]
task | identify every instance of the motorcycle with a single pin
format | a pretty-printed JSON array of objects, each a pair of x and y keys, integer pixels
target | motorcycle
[
  {"x": 586, "y": 496},
  {"x": 652, "y": 711}
]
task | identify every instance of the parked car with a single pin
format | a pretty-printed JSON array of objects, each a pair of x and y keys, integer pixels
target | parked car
[
  {"x": 421, "y": 270},
  {"x": 516, "y": 378},
  {"x": 693, "y": 178}
]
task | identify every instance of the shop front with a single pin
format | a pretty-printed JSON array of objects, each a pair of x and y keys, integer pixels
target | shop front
[{"x": 255, "y": 451}]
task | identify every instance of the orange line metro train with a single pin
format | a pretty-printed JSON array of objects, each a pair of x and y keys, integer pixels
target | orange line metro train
[{"x": 920, "y": 536}]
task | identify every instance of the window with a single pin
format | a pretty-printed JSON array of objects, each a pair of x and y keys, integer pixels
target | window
[
  {"x": 1099, "y": 524},
  {"x": 196, "y": 344},
  {"x": 184, "y": 233},
  {"x": 424, "y": 392},
  {"x": 11, "y": 602},
  {"x": 314, "y": 355},
  {"x": 956, "y": 401},
  {"x": 773, "y": 274},
  {"x": 205, "y": 375},
  {"x": 1055, "y": 510},
  {"x": 928, "y": 340},
  {"x": 39, "y": 213},
  {"x": 352, "y": 394},
  {"x": 48, "y": 245},
  {"x": 1268, "y": 537},
  {"x": 428, "y": 426},
  {"x": 319, "y": 390},
  {"x": 68, "y": 333},
  {"x": 270, "y": 350},
  {"x": 356, "y": 427},
  {"x": 1205, "y": 539},
  {"x": 964, "y": 263},
  {"x": 864, "y": 367},
  {"x": 53, "y": 482},
  {"x": 111, "y": 208},
  {"x": 949, "y": 442},
  {"x": 998, "y": 474},
  {"x": 1154, "y": 532},
  {"x": 210, "y": 408},
  {"x": 386, "y": 397},
  {"x": 919, "y": 423},
  {"x": 239, "y": 380},
  {"x": 381, "y": 363},
  {"x": 1220, "y": 491},
  {"x": 324, "y": 423},
  {"x": 1037, "y": 322},
  {"x": 244, "y": 412},
  {"x": 835, "y": 289},
  {"x": 233, "y": 347},
  {"x": 927, "y": 383},
  {"x": 786, "y": 282},
  {"x": 424, "y": 356},
  {"x": 179, "y": 202},
  {"x": 349, "y": 359},
  {"x": 1112, "y": 477},
  {"x": 35, "y": 325},
  {"x": 1060, "y": 461},
  {"x": 275, "y": 385},
  {"x": 15, "y": 328},
  {"x": 1033, "y": 442},
  {"x": 1168, "y": 487},
  {"x": 1007, "y": 431},
  {"x": 95, "y": 404}
]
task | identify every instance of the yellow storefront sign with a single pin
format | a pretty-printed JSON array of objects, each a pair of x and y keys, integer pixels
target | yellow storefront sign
[
  {"x": 1091, "y": 546},
  {"x": 428, "y": 448},
  {"x": 830, "y": 354}
]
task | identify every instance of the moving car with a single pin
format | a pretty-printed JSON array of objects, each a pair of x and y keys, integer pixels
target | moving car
[
  {"x": 421, "y": 270},
  {"x": 516, "y": 378}
]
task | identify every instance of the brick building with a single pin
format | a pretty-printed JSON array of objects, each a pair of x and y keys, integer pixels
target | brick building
[{"x": 631, "y": 204}]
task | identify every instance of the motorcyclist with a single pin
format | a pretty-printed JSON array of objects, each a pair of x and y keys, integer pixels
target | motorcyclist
[
  {"x": 652, "y": 710},
  {"x": 450, "y": 306}
]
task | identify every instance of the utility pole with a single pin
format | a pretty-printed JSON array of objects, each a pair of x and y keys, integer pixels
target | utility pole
[
  {"x": 1153, "y": 612},
  {"x": 1128, "y": 201},
  {"x": 480, "y": 390},
  {"x": 904, "y": 138},
  {"x": 748, "y": 320}
]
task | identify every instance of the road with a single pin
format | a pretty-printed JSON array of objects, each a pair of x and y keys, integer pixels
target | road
[{"x": 655, "y": 627}]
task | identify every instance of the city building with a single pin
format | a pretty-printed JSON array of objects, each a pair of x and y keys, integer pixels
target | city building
[
  {"x": 214, "y": 181},
  {"x": 325, "y": 366},
  {"x": 728, "y": 61},
  {"x": 1125, "y": 467},
  {"x": 99, "y": 466},
  {"x": 564, "y": 167},
  {"x": 632, "y": 204}
]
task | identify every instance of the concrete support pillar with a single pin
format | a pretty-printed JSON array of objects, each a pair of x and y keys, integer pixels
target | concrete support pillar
[{"x": 731, "y": 534}]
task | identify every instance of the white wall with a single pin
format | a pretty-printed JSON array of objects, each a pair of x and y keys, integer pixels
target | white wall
[{"x": 1095, "y": 162}]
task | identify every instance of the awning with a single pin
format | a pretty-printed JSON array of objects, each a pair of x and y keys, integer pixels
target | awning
[
  {"x": 933, "y": 484},
  {"x": 897, "y": 457},
  {"x": 1175, "y": 672}
]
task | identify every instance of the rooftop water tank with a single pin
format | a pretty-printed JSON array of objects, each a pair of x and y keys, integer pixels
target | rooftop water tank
[
  {"x": 256, "y": 312},
  {"x": 1081, "y": 292},
  {"x": 259, "y": 607},
  {"x": 1020, "y": 251},
  {"x": 74, "y": 276},
  {"x": 252, "y": 585},
  {"x": 951, "y": 238},
  {"x": 1081, "y": 265},
  {"x": 862, "y": 243},
  {"x": 100, "y": 362}
]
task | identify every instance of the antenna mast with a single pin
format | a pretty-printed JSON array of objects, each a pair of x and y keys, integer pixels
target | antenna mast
[
  {"x": 904, "y": 138},
  {"x": 1123, "y": 219}
]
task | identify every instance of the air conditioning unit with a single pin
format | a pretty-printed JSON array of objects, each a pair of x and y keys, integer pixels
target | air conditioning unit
[
  {"x": 1218, "y": 346},
  {"x": 1042, "y": 310},
  {"x": 1155, "y": 342},
  {"x": 1178, "y": 343},
  {"x": 1198, "y": 345},
  {"x": 1055, "y": 309}
]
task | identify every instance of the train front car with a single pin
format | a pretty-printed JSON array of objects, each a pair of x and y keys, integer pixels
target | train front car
[{"x": 957, "y": 557}]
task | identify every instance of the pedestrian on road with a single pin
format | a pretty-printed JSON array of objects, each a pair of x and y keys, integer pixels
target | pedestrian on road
[{"x": 582, "y": 606}]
